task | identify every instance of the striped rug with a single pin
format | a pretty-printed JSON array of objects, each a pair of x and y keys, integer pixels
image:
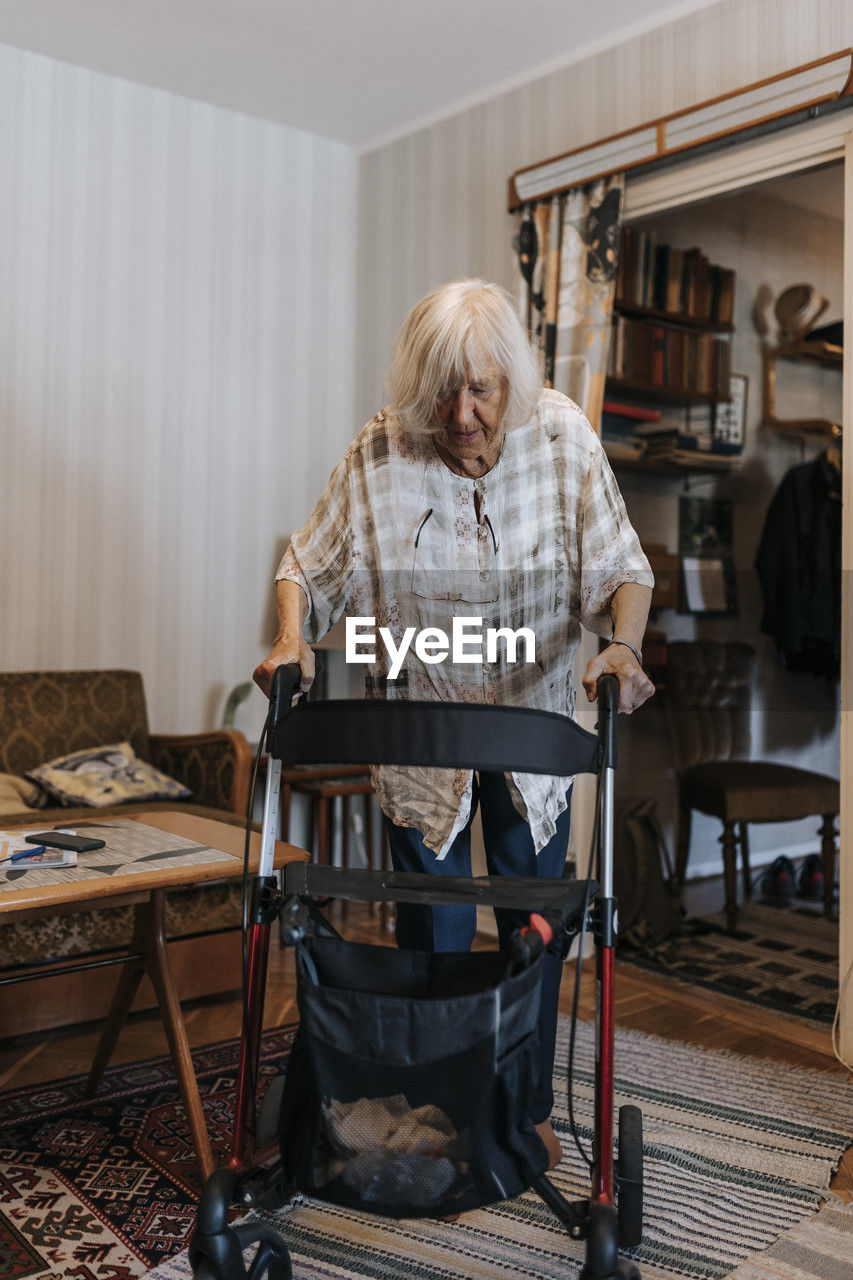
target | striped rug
[
  {"x": 737, "y": 1152},
  {"x": 821, "y": 1248}
]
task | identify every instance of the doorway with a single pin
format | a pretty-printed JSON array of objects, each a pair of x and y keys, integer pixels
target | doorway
[{"x": 723, "y": 203}]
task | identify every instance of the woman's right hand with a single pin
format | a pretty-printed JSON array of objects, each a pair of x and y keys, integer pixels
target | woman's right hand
[{"x": 285, "y": 650}]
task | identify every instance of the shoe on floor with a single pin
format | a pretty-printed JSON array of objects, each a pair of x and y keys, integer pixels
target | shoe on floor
[
  {"x": 552, "y": 1144},
  {"x": 778, "y": 884},
  {"x": 810, "y": 878}
]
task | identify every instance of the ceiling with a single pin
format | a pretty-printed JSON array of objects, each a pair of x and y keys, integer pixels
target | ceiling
[
  {"x": 816, "y": 190},
  {"x": 361, "y": 71}
]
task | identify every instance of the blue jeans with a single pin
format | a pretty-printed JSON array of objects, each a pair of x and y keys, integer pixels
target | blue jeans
[{"x": 509, "y": 852}]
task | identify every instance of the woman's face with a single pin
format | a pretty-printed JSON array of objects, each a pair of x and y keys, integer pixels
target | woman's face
[{"x": 468, "y": 422}]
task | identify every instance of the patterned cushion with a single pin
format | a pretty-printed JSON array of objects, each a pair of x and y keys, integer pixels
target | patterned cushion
[
  {"x": 106, "y": 775},
  {"x": 17, "y": 792}
]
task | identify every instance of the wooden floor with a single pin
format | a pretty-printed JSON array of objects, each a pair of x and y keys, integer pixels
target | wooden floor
[{"x": 643, "y": 1002}]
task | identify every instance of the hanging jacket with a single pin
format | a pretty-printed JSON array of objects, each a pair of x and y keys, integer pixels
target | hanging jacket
[{"x": 799, "y": 568}]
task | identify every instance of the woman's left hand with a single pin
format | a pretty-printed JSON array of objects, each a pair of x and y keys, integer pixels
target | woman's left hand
[{"x": 635, "y": 687}]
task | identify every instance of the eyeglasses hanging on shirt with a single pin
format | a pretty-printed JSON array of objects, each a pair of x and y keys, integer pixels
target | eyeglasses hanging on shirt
[
  {"x": 484, "y": 522},
  {"x": 421, "y": 525},
  {"x": 466, "y": 584}
]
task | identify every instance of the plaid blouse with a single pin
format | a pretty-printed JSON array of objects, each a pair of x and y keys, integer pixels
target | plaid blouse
[{"x": 541, "y": 542}]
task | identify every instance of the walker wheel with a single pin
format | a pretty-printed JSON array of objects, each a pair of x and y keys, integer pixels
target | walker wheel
[
  {"x": 270, "y": 1262},
  {"x": 629, "y": 1177},
  {"x": 216, "y": 1248},
  {"x": 602, "y": 1260}
]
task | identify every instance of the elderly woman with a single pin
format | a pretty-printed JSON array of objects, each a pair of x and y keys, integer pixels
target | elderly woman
[{"x": 474, "y": 498}]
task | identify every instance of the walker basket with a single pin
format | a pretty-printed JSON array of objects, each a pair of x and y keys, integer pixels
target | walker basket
[{"x": 409, "y": 1086}]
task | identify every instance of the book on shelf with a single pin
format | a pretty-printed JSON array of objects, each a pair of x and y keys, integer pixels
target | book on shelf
[
  {"x": 629, "y": 450},
  {"x": 703, "y": 460},
  {"x": 627, "y": 439},
  {"x": 663, "y": 277},
  {"x": 723, "y": 295},
  {"x": 633, "y": 432},
  {"x": 675, "y": 273},
  {"x": 658, "y": 442},
  {"x": 633, "y": 452},
  {"x": 660, "y": 278},
  {"x": 618, "y": 418},
  {"x": 637, "y": 412},
  {"x": 694, "y": 265},
  {"x": 654, "y": 354}
]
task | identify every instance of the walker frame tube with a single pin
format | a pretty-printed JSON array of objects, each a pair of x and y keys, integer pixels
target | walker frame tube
[
  {"x": 264, "y": 909},
  {"x": 605, "y": 937}
]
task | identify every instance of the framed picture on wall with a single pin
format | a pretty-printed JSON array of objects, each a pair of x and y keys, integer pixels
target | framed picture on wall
[
  {"x": 706, "y": 547},
  {"x": 729, "y": 427},
  {"x": 709, "y": 585}
]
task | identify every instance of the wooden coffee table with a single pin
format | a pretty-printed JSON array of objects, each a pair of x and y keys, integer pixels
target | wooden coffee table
[{"x": 205, "y": 850}]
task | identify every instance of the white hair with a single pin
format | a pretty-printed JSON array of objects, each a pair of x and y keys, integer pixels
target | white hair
[{"x": 457, "y": 333}]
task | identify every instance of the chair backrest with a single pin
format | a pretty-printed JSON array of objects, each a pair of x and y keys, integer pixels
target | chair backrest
[
  {"x": 444, "y": 735},
  {"x": 708, "y": 692}
]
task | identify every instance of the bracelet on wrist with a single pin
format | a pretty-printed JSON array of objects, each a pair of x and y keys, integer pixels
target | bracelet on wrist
[{"x": 636, "y": 652}]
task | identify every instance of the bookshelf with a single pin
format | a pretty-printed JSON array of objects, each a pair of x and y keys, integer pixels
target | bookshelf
[
  {"x": 661, "y": 394},
  {"x": 670, "y": 351},
  {"x": 680, "y": 462},
  {"x": 682, "y": 319}
]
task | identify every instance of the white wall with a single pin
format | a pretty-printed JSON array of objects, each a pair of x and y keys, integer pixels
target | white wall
[{"x": 177, "y": 288}]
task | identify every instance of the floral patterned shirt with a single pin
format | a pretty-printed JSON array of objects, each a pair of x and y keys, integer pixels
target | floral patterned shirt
[{"x": 542, "y": 542}]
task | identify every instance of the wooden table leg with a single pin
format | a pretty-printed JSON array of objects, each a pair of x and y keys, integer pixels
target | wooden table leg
[
  {"x": 157, "y": 966},
  {"x": 149, "y": 943},
  {"x": 128, "y": 985}
]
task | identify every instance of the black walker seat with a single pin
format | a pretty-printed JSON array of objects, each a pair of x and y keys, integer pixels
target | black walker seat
[{"x": 409, "y": 1087}]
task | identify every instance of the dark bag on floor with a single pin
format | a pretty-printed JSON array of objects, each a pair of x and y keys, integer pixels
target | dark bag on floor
[
  {"x": 649, "y": 904},
  {"x": 409, "y": 1088}
]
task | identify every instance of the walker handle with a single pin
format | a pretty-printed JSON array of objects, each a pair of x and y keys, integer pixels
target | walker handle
[
  {"x": 608, "y": 703},
  {"x": 285, "y": 684}
]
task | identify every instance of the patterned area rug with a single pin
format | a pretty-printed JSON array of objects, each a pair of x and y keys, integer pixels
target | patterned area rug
[
  {"x": 103, "y": 1189},
  {"x": 782, "y": 957},
  {"x": 737, "y": 1152}
]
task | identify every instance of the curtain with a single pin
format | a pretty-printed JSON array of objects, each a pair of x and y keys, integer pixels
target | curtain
[{"x": 567, "y": 257}]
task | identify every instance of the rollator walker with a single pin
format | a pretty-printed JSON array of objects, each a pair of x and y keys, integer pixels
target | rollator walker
[{"x": 407, "y": 1091}]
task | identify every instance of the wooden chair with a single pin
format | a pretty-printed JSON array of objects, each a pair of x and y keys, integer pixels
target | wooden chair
[
  {"x": 707, "y": 701},
  {"x": 323, "y": 786}
]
